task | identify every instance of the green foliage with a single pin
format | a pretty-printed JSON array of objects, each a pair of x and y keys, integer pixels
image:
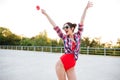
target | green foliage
[
  {"x": 85, "y": 42},
  {"x": 118, "y": 43},
  {"x": 8, "y": 38},
  {"x": 26, "y": 42},
  {"x": 93, "y": 43},
  {"x": 60, "y": 42},
  {"x": 42, "y": 39}
]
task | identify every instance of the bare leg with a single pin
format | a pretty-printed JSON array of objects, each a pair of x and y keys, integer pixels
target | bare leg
[
  {"x": 60, "y": 71},
  {"x": 71, "y": 74}
]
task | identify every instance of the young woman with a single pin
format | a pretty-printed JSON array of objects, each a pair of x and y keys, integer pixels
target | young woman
[{"x": 66, "y": 63}]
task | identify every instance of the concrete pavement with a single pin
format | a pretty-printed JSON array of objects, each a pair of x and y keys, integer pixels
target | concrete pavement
[{"x": 29, "y": 65}]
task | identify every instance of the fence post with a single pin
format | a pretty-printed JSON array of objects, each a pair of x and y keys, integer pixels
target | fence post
[
  {"x": 51, "y": 49},
  {"x": 42, "y": 48},
  {"x": 104, "y": 51},
  {"x": 114, "y": 51},
  {"x": 21, "y": 47},
  {"x": 88, "y": 50},
  {"x": 7, "y": 47},
  {"x": 61, "y": 49},
  {"x": 33, "y": 48},
  {"x": 27, "y": 48},
  {"x": 15, "y": 47}
]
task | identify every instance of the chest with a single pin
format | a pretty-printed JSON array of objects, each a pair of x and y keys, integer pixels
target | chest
[{"x": 70, "y": 43}]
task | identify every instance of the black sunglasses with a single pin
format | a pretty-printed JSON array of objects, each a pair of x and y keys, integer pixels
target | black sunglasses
[{"x": 66, "y": 26}]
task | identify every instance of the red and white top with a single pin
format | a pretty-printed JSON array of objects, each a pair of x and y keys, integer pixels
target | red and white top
[{"x": 69, "y": 46}]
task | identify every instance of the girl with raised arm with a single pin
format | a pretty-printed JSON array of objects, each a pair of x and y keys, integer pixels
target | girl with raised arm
[{"x": 66, "y": 63}]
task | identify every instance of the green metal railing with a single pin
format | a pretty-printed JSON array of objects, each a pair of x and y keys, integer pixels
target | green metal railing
[{"x": 83, "y": 50}]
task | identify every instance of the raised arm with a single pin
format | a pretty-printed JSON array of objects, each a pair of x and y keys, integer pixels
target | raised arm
[
  {"x": 56, "y": 28},
  {"x": 80, "y": 28},
  {"x": 48, "y": 17},
  {"x": 89, "y": 4}
]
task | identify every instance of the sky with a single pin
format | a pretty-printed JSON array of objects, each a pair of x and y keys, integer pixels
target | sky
[{"x": 22, "y": 18}]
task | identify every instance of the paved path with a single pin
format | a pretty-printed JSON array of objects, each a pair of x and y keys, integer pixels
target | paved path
[{"x": 28, "y": 65}]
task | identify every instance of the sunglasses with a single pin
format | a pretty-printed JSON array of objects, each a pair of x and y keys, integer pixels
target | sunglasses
[{"x": 66, "y": 26}]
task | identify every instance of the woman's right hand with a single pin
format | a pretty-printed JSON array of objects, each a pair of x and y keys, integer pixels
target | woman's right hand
[{"x": 43, "y": 11}]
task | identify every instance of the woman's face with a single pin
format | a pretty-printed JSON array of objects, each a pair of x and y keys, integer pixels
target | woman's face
[{"x": 68, "y": 30}]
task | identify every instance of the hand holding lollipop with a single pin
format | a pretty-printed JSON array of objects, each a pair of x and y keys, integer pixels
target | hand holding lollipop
[{"x": 43, "y": 12}]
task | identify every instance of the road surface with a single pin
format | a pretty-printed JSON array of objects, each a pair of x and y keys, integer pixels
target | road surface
[{"x": 30, "y": 65}]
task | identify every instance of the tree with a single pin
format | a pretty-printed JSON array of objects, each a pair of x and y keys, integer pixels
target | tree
[
  {"x": 26, "y": 42},
  {"x": 7, "y": 37},
  {"x": 93, "y": 43},
  {"x": 42, "y": 39},
  {"x": 85, "y": 42},
  {"x": 118, "y": 42},
  {"x": 60, "y": 43}
]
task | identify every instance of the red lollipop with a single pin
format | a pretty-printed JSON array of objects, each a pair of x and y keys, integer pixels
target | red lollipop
[{"x": 38, "y": 7}]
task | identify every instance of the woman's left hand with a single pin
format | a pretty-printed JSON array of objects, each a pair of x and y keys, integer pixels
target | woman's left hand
[{"x": 89, "y": 4}]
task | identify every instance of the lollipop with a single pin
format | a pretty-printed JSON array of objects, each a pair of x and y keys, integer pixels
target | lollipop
[{"x": 38, "y": 7}]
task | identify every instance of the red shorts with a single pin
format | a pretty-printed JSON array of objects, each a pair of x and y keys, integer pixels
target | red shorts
[{"x": 68, "y": 61}]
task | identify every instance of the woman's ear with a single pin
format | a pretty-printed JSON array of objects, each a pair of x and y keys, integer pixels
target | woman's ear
[{"x": 73, "y": 29}]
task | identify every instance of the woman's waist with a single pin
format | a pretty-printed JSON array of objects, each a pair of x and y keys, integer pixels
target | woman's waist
[{"x": 70, "y": 53}]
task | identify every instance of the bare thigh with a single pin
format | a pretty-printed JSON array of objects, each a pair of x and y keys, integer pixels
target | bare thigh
[
  {"x": 71, "y": 74},
  {"x": 60, "y": 71}
]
